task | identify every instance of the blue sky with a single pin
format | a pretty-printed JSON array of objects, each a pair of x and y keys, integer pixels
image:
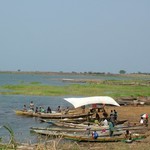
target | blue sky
[{"x": 75, "y": 35}]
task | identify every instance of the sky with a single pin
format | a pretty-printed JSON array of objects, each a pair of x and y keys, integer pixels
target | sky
[{"x": 75, "y": 35}]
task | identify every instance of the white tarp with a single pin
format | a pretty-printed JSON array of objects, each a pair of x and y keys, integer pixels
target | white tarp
[{"x": 78, "y": 102}]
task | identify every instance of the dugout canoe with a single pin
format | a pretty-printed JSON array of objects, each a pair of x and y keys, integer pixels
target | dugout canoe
[
  {"x": 62, "y": 129},
  {"x": 95, "y": 126},
  {"x": 117, "y": 128},
  {"x": 103, "y": 139},
  {"x": 77, "y": 126},
  {"x": 66, "y": 134},
  {"x": 26, "y": 113},
  {"x": 62, "y": 116},
  {"x": 51, "y": 115}
]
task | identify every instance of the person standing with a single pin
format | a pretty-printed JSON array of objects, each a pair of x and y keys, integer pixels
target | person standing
[
  {"x": 112, "y": 119},
  {"x": 115, "y": 115},
  {"x": 32, "y": 106},
  {"x": 111, "y": 129}
]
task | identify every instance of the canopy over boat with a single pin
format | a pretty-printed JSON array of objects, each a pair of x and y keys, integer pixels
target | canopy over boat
[{"x": 78, "y": 102}]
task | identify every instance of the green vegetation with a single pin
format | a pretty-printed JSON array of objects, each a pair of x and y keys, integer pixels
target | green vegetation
[
  {"x": 12, "y": 145},
  {"x": 110, "y": 88}
]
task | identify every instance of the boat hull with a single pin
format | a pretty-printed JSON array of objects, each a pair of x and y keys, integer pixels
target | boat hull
[{"x": 51, "y": 115}]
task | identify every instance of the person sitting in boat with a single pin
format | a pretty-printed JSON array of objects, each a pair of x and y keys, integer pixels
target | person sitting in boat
[
  {"x": 88, "y": 129},
  {"x": 49, "y": 110},
  {"x": 32, "y": 106},
  {"x": 105, "y": 122},
  {"x": 24, "y": 108},
  {"x": 43, "y": 110},
  {"x": 58, "y": 109},
  {"x": 36, "y": 110},
  {"x": 83, "y": 108},
  {"x": 40, "y": 109},
  {"x": 67, "y": 110},
  {"x": 95, "y": 135},
  {"x": 146, "y": 122},
  {"x": 97, "y": 122},
  {"x": 105, "y": 114},
  {"x": 97, "y": 117},
  {"x": 128, "y": 135},
  {"x": 142, "y": 121}
]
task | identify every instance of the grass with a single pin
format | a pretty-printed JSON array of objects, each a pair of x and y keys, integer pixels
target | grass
[{"x": 109, "y": 88}]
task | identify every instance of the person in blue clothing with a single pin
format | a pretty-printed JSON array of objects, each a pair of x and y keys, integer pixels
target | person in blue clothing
[{"x": 95, "y": 135}]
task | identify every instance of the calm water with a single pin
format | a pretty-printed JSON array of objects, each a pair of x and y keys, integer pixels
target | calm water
[
  {"x": 21, "y": 125},
  {"x": 8, "y": 104}
]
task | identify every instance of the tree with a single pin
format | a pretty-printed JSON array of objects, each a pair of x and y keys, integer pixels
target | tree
[{"x": 122, "y": 72}]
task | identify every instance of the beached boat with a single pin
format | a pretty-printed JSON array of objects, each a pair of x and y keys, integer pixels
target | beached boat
[
  {"x": 52, "y": 115},
  {"x": 103, "y": 137},
  {"x": 96, "y": 127},
  {"x": 65, "y": 129},
  {"x": 117, "y": 128},
  {"x": 78, "y": 126},
  {"x": 66, "y": 133}
]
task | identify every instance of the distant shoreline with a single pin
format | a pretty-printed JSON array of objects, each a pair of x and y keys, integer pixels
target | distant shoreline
[{"x": 76, "y": 73}]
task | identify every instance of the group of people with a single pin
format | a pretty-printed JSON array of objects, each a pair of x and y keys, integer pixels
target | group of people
[
  {"x": 107, "y": 121},
  {"x": 113, "y": 116},
  {"x": 42, "y": 109},
  {"x": 95, "y": 135},
  {"x": 31, "y": 107},
  {"x": 37, "y": 109}
]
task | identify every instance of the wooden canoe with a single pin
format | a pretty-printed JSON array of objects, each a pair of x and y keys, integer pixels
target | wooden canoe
[
  {"x": 78, "y": 126},
  {"x": 63, "y": 129},
  {"x": 51, "y": 115},
  {"x": 95, "y": 127},
  {"x": 62, "y": 116},
  {"x": 102, "y": 139},
  {"x": 26, "y": 113},
  {"x": 65, "y": 134}
]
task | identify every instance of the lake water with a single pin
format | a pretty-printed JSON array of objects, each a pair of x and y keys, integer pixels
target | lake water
[{"x": 21, "y": 125}]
